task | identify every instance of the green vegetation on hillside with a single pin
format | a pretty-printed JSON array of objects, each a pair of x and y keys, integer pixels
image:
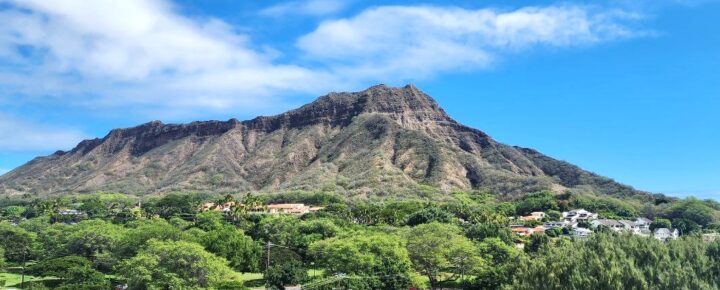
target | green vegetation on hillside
[{"x": 463, "y": 241}]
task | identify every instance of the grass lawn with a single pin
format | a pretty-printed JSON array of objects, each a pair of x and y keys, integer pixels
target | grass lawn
[
  {"x": 253, "y": 279},
  {"x": 13, "y": 280}
]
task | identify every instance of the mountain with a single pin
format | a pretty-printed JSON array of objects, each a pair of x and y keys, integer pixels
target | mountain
[{"x": 377, "y": 142}]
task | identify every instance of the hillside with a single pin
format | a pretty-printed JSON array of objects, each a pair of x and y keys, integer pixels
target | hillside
[{"x": 377, "y": 142}]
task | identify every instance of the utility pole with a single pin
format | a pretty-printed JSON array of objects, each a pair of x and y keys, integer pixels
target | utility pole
[
  {"x": 22, "y": 279},
  {"x": 267, "y": 264}
]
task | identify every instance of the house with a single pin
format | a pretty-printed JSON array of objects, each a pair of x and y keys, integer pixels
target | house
[
  {"x": 578, "y": 215},
  {"x": 522, "y": 231},
  {"x": 581, "y": 233},
  {"x": 643, "y": 224},
  {"x": 534, "y": 216},
  {"x": 611, "y": 224},
  {"x": 538, "y": 230},
  {"x": 292, "y": 208},
  {"x": 664, "y": 234},
  {"x": 630, "y": 226},
  {"x": 550, "y": 225}
]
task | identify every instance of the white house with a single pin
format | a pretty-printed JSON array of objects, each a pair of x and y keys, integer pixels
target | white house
[
  {"x": 578, "y": 215},
  {"x": 581, "y": 233},
  {"x": 664, "y": 234},
  {"x": 611, "y": 224},
  {"x": 550, "y": 225},
  {"x": 643, "y": 224},
  {"x": 630, "y": 226}
]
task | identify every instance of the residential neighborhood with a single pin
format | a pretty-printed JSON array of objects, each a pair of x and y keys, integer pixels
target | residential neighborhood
[
  {"x": 281, "y": 208},
  {"x": 581, "y": 223}
]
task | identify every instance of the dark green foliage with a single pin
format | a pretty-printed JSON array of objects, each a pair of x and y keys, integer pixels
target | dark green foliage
[
  {"x": 174, "y": 265},
  {"x": 430, "y": 214},
  {"x": 360, "y": 244},
  {"x": 139, "y": 232},
  {"x": 17, "y": 242},
  {"x": 481, "y": 231},
  {"x": 76, "y": 273},
  {"x": 693, "y": 210},
  {"x": 541, "y": 201},
  {"x": 284, "y": 274},
  {"x": 685, "y": 226},
  {"x": 619, "y": 262},
  {"x": 537, "y": 242},
  {"x": 176, "y": 204},
  {"x": 500, "y": 259},
  {"x": 381, "y": 259},
  {"x": 436, "y": 247},
  {"x": 607, "y": 207},
  {"x": 232, "y": 244},
  {"x": 660, "y": 223}
]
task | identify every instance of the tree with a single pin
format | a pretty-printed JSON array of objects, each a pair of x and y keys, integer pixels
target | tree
[
  {"x": 281, "y": 230},
  {"x": 175, "y": 204},
  {"x": 537, "y": 241},
  {"x": 606, "y": 261},
  {"x": 541, "y": 201},
  {"x": 76, "y": 273},
  {"x": 91, "y": 238},
  {"x": 500, "y": 260},
  {"x": 18, "y": 243},
  {"x": 139, "y": 232},
  {"x": 685, "y": 226},
  {"x": 280, "y": 275},
  {"x": 381, "y": 259},
  {"x": 691, "y": 209},
  {"x": 430, "y": 214},
  {"x": 481, "y": 231},
  {"x": 240, "y": 210},
  {"x": 660, "y": 223},
  {"x": 435, "y": 248},
  {"x": 13, "y": 212},
  {"x": 209, "y": 220},
  {"x": 232, "y": 244},
  {"x": 174, "y": 265}
]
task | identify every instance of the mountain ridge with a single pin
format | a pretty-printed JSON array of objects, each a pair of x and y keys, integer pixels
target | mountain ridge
[{"x": 380, "y": 141}]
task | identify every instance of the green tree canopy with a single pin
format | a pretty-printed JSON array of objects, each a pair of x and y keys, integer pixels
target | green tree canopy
[
  {"x": 232, "y": 244},
  {"x": 18, "y": 243},
  {"x": 382, "y": 259},
  {"x": 435, "y": 248},
  {"x": 174, "y": 265}
]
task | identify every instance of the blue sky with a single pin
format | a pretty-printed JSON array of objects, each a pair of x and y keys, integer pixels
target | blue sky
[{"x": 628, "y": 89}]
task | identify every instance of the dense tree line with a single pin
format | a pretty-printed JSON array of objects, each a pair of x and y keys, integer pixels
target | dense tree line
[{"x": 463, "y": 242}]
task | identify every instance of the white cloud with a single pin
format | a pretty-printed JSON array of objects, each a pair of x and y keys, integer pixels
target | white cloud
[
  {"x": 3, "y": 171},
  {"x": 138, "y": 53},
  {"x": 305, "y": 7},
  {"x": 419, "y": 41},
  {"x": 21, "y": 135},
  {"x": 143, "y": 57}
]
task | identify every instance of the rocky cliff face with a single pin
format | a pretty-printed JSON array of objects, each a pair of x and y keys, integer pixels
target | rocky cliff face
[{"x": 381, "y": 141}]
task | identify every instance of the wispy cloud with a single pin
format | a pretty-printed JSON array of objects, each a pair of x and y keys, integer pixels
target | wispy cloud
[
  {"x": 144, "y": 56},
  {"x": 139, "y": 53},
  {"x": 420, "y": 41},
  {"x": 306, "y": 7},
  {"x": 18, "y": 135}
]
